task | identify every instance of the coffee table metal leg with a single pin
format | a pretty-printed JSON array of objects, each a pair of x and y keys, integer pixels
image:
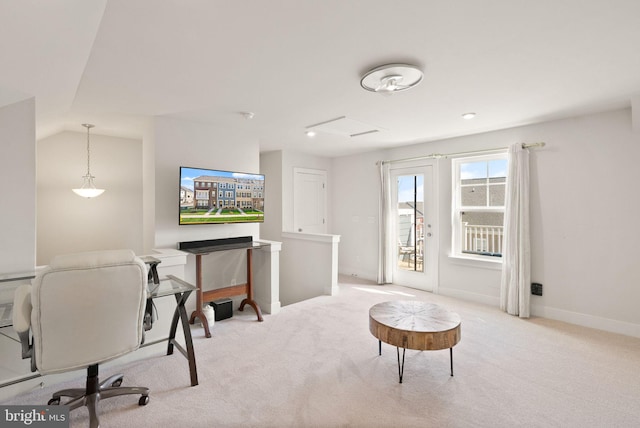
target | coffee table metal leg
[
  {"x": 379, "y": 347},
  {"x": 451, "y": 359},
  {"x": 400, "y": 367}
]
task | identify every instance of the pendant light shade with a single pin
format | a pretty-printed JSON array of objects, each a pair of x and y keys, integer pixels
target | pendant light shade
[{"x": 88, "y": 189}]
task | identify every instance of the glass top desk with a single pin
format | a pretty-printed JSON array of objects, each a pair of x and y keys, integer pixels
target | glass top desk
[
  {"x": 181, "y": 290},
  {"x": 163, "y": 287},
  {"x": 6, "y": 294}
]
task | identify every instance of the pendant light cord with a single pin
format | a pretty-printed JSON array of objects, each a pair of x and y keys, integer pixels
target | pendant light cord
[{"x": 88, "y": 126}]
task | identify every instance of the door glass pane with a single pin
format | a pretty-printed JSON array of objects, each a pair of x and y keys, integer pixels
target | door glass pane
[{"x": 410, "y": 222}]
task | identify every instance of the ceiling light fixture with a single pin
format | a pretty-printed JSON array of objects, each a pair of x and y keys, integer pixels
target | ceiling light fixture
[
  {"x": 389, "y": 78},
  {"x": 88, "y": 189},
  {"x": 311, "y": 134},
  {"x": 468, "y": 116}
]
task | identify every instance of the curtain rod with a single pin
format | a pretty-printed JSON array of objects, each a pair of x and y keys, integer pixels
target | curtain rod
[{"x": 440, "y": 155}]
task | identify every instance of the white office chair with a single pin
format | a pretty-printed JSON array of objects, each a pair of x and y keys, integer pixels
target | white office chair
[{"x": 82, "y": 310}]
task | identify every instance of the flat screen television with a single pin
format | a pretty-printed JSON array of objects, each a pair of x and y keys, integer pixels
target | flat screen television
[{"x": 209, "y": 196}]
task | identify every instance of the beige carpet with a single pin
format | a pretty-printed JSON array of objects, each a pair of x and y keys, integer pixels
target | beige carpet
[{"x": 315, "y": 364}]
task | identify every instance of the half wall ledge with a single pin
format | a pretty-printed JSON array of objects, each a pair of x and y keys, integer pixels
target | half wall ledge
[{"x": 309, "y": 266}]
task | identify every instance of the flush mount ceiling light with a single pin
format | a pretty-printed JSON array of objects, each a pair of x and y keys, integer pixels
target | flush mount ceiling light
[
  {"x": 468, "y": 116},
  {"x": 88, "y": 189},
  {"x": 390, "y": 78}
]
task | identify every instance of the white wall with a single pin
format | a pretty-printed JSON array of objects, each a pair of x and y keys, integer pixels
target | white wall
[
  {"x": 18, "y": 187},
  {"x": 278, "y": 167},
  {"x": 271, "y": 167},
  {"x": 583, "y": 207},
  {"x": 308, "y": 262},
  {"x": 68, "y": 223},
  {"x": 309, "y": 266},
  {"x": 185, "y": 143},
  {"x": 149, "y": 189},
  {"x": 355, "y": 212}
]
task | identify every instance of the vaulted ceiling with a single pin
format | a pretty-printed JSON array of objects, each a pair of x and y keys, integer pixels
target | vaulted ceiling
[{"x": 295, "y": 63}]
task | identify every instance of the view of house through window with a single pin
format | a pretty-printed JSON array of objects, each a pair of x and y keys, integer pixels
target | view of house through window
[
  {"x": 479, "y": 197},
  {"x": 410, "y": 222}
]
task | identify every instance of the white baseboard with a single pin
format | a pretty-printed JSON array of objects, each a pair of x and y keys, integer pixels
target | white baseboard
[
  {"x": 600, "y": 323},
  {"x": 357, "y": 274},
  {"x": 271, "y": 308},
  {"x": 584, "y": 320},
  {"x": 466, "y": 295}
]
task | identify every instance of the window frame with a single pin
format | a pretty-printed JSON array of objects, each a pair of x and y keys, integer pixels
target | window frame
[{"x": 457, "y": 209}]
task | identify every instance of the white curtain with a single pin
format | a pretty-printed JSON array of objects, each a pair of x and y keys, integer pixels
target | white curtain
[
  {"x": 516, "y": 253},
  {"x": 385, "y": 244}
]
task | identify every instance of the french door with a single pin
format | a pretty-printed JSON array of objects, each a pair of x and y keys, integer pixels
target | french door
[{"x": 414, "y": 228}]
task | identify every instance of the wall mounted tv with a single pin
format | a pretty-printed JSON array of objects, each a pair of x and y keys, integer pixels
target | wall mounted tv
[{"x": 209, "y": 196}]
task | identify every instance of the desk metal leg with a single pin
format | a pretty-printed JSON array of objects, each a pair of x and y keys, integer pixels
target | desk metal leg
[{"x": 181, "y": 314}]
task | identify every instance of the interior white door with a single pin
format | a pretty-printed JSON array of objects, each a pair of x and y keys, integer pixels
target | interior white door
[
  {"x": 309, "y": 200},
  {"x": 413, "y": 197}
]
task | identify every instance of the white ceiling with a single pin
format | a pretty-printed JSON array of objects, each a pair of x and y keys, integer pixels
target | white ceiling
[{"x": 295, "y": 63}]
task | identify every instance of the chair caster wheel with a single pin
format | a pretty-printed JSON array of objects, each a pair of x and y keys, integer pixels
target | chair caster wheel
[
  {"x": 144, "y": 400},
  {"x": 54, "y": 402}
]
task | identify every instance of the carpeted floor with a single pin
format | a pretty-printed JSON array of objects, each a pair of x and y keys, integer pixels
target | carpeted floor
[{"x": 315, "y": 364}]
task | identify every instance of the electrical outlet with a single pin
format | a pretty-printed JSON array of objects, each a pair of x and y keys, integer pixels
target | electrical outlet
[
  {"x": 536, "y": 289},
  {"x": 233, "y": 281}
]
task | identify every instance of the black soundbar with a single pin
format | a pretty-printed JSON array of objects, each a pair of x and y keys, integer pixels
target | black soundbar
[{"x": 240, "y": 241}]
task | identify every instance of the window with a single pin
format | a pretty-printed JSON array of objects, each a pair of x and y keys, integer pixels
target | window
[{"x": 479, "y": 185}]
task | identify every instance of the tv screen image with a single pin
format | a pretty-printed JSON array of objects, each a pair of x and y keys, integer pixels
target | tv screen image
[{"x": 209, "y": 196}]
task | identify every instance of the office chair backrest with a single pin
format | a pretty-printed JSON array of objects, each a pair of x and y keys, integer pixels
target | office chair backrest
[{"x": 87, "y": 308}]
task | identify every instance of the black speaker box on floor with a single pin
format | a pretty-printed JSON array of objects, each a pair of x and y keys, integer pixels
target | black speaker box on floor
[{"x": 223, "y": 309}]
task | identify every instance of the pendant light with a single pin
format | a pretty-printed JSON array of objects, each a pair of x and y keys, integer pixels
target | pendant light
[{"x": 88, "y": 189}]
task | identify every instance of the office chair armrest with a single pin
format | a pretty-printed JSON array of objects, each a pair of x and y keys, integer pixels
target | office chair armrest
[{"x": 22, "y": 317}]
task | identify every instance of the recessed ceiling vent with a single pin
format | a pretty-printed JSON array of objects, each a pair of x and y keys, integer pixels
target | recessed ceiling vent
[{"x": 344, "y": 126}]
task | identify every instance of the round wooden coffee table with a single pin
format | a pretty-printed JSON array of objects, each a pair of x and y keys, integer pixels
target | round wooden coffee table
[{"x": 410, "y": 324}]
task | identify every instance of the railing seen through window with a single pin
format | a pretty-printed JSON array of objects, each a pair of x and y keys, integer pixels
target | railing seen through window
[{"x": 479, "y": 197}]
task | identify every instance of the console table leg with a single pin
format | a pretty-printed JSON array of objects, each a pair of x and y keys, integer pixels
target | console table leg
[
  {"x": 254, "y": 305},
  {"x": 198, "y": 312},
  {"x": 203, "y": 319}
]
